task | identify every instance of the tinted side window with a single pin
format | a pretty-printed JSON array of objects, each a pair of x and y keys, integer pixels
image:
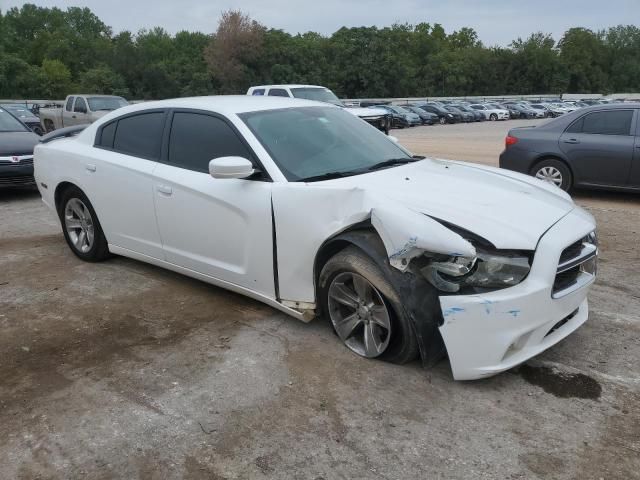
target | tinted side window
[
  {"x": 81, "y": 105},
  {"x": 197, "y": 139},
  {"x": 258, "y": 91},
  {"x": 69, "y": 104},
  {"x": 106, "y": 136},
  {"x": 613, "y": 122},
  {"x": 576, "y": 127},
  {"x": 278, "y": 92},
  {"x": 140, "y": 135}
]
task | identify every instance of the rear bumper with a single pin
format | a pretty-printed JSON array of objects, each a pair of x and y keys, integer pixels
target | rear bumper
[
  {"x": 517, "y": 159},
  {"x": 489, "y": 333}
]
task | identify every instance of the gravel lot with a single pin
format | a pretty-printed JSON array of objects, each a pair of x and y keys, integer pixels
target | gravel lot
[{"x": 124, "y": 370}]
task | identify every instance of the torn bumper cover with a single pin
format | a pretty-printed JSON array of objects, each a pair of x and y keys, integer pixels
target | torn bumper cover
[{"x": 489, "y": 333}]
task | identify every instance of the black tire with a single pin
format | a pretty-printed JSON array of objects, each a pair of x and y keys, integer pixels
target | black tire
[
  {"x": 493, "y": 117},
  {"x": 560, "y": 166},
  {"x": 402, "y": 346},
  {"x": 99, "y": 249},
  {"x": 48, "y": 126},
  {"x": 442, "y": 120}
]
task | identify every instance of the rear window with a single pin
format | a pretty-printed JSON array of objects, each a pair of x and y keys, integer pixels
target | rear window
[
  {"x": 140, "y": 135},
  {"x": 278, "y": 92}
]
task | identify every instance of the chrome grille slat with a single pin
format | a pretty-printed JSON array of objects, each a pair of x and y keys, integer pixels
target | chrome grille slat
[{"x": 572, "y": 274}]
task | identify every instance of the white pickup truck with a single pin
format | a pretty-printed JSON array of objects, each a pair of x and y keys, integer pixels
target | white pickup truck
[
  {"x": 78, "y": 110},
  {"x": 379, "y": 118}
]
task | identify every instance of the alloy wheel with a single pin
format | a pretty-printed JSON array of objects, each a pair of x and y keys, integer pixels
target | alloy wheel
[
  {"x": 359, "y": 314},
  {"x": 551, "y": 175},
  {"x": 79, "y": 225}
]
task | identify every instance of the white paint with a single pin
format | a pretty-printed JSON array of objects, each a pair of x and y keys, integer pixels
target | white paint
[{"x": 220, "y": 230}]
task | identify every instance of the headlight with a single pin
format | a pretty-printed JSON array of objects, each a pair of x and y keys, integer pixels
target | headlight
[
  {"x": 450, "y": 115},
  {"x": 487, "y": 271}
]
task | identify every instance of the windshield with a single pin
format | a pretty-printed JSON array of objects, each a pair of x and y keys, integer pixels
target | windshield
[
  {"x": 312, "y": 141},
  {"x": 318, "y": 94},
  {"x": 106, "y": 103},
  {"x": 8, "y": 123}
]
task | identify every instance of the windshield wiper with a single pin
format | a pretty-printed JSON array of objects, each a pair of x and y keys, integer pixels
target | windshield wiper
[
  {"x": 395, "y": 161},
  {"x": 329, "y": 176}
]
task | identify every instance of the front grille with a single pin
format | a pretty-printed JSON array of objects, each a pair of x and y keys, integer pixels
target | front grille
[
  {"x": 23, "y": 161},
  {"x": 576, "y": 266},
  {"x": 22, "y": 180},
  {"x": 572, "y": 251}
]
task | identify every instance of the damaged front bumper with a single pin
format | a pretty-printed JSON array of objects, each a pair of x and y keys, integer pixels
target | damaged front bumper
[{"x": 488, "y": 333}]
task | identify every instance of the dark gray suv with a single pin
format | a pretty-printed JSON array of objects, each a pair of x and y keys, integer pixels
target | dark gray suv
[{"x": 594, "y": 147}]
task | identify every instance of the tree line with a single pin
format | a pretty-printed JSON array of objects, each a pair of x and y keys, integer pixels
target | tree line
[{"x": 49, "y": 53}]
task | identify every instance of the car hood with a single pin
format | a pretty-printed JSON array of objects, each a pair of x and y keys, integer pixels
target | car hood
[
  {"x": 17, "y": 143},
  {"x": 509, "y": 209},
  {"x": 366, "y": 112}
]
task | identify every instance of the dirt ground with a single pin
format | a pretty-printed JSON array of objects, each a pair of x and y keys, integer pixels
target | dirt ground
[{"x": 124, "y": 370}]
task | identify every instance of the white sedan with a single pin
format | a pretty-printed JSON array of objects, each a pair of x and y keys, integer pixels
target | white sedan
[
  {"x": 303, "y": 206},
  {"x": 491, "y": 113}
]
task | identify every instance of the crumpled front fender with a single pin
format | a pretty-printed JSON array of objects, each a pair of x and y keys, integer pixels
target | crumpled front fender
[{"x": 407, "y": 234}]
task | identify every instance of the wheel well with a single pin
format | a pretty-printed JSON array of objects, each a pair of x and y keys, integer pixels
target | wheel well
[
  {"x": 60, "y": 189},
  {"x": 550, "y": 157},
  {"x": 335, "y": 244}
]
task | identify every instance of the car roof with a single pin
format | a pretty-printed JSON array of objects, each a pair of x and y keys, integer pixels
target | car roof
[
  {"x": 292, "y": 85},
  {"x": 225, "y": 104}
]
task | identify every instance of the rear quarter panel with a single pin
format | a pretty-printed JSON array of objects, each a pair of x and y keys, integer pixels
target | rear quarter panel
[{"x": 57, "y": 162}]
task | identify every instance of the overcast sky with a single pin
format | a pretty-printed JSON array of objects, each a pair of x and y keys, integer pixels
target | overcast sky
[{"x": 496, "y": 21}]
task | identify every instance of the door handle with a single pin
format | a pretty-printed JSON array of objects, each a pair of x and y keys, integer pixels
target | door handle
[
  {"x": 90, "y": 167},
  {"x": 164, "y": 189},
  {"x": 73, "y": 116},
  {"x": 571, "y": 140}
]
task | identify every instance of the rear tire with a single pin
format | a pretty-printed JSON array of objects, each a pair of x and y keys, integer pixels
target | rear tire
[
  {"x": 352, "y": 272},
  {"x": 555, "y": 172},
  {"x": 442, "y": 120},
  {"x": 81, "y": 226}
]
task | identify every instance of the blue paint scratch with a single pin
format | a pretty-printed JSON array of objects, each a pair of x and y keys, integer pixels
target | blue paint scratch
[
  {"x": 452, "y": 310},
  {"x": 487, "y": 306}
]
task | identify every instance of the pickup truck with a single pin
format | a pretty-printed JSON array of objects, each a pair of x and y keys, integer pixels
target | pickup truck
[
  {"x": 379, "y": 118},
  {"x": 78, "y": 110}
]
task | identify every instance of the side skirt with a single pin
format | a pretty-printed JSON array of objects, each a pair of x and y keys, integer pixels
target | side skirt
[{"x": 211, "y": 280}]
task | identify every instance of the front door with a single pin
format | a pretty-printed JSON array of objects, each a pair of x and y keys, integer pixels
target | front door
[{"x": 218, "y": 227}]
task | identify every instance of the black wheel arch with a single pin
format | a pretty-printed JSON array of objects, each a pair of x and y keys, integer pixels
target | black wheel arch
[
  {"x": 420, "y": 300},
  {"x": 60, "y": 189}
]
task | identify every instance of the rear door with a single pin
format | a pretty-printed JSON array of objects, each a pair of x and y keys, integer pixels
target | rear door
[
  {"x": 125, "y": 154},
  {"x": 599, "y": 147}
]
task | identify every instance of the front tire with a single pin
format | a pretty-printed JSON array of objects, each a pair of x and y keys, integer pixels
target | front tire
[
  {"x": 364, "y": 308},
  {"x": 555, "y": 172},
  {"x": 493, "y": 117},
  {"x": 81, "y": 226},
  {"x": 442, "y": 120}
]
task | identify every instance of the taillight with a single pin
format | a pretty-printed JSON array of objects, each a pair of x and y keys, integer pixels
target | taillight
[{"x": 510, "y": 141}]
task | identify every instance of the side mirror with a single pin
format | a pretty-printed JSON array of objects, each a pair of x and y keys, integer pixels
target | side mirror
[
  {"x": 230, "y": 167},
  {"x": 393, "y": 139}
]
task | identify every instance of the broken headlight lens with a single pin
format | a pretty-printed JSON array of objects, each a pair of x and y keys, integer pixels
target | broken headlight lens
[{"x": 488, "y": 271}]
